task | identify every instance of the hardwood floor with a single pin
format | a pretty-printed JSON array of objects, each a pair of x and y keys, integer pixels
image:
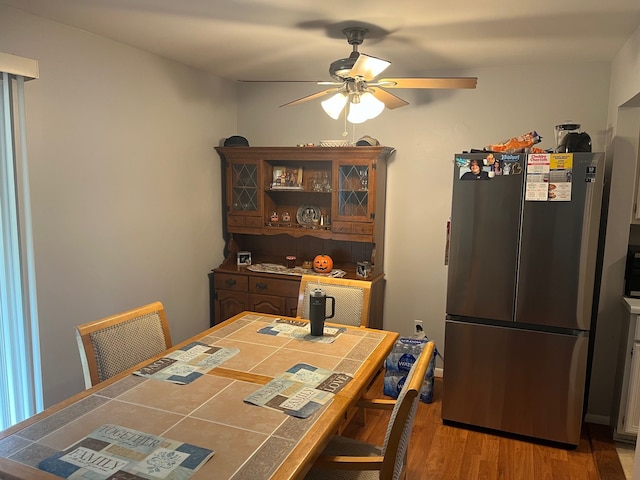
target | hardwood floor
[{"x": 442, "y": 452}]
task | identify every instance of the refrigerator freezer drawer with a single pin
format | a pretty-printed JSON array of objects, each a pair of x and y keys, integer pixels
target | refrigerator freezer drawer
[{"x": 512, "y": 380}]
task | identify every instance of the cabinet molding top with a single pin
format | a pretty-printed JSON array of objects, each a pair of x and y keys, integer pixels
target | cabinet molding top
[{"x": 322, "y": 152}]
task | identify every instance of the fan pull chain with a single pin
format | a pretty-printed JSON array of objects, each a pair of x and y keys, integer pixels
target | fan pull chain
[{"x": 345, "y": 133}]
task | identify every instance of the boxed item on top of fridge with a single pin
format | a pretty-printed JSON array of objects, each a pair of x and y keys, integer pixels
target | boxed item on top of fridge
[
  {"x": 520, "y": 144},
  {"x": 398, "y": 363}
]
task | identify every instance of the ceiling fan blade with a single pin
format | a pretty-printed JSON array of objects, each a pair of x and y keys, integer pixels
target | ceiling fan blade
[
  {"x": 429, "y": 82},
  {"x": 368, "y": 67},
  {"x": 279, "y": 81},
  {"x": 311, "y": 97},
  {"x": 389, "y": 99}
]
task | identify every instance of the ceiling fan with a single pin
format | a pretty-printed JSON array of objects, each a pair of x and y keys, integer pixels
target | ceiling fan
[{"x": 364, "y": 97}]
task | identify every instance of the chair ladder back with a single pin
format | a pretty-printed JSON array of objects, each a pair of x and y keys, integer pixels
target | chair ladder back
[
  {"x": 396, "y": 440},
  {"x": 352, "y": 297}
]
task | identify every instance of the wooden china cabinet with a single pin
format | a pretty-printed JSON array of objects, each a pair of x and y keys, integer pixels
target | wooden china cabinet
[{"x": 300, "y": 201}]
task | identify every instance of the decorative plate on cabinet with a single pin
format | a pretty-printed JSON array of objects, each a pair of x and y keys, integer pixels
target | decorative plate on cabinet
[{"x": 308, "y": 215}]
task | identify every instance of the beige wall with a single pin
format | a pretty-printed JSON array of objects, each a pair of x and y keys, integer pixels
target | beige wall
[{"x": 124, "y": 182}]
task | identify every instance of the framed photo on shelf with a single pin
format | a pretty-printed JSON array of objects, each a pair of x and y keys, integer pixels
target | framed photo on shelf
[
  {"x": 287, "y": 178},
  {"x": 243, "y": 258}
]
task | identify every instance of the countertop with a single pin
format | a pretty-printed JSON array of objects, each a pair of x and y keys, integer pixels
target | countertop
[{"x": 632, "y": 304}]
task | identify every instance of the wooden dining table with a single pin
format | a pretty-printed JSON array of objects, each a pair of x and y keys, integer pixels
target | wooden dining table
[{"x": 249, "y": 441}]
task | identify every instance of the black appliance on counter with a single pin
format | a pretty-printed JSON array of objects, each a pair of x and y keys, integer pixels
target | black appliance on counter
[{"x": 632, "y": 272}]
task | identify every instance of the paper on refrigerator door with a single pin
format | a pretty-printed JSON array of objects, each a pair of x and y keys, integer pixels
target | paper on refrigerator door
[
  {"x": 560, "y": 173},
  {"x": 537, "y": 186}
]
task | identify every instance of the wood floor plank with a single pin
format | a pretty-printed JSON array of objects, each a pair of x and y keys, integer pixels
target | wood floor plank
[
  {"x": 604, "y": 452},
  {"x": 547, "y": 463},
  {"x": 490, "y": 448},
  {"x": 443, "y": 452}
]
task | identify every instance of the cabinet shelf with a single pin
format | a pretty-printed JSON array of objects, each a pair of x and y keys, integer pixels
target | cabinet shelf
[
  {"x": 298, "y": 227},
  {"x": 298, "y": 232},
  {"x": 297, "y": 190}
]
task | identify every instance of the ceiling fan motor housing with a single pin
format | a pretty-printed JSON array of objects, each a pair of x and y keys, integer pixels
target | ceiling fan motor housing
[
  {"x": 340, "y": 68},
  {"x": 355, "y": 35}
]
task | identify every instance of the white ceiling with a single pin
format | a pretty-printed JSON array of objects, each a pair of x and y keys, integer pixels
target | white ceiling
[{"x": 298, "y": 39}]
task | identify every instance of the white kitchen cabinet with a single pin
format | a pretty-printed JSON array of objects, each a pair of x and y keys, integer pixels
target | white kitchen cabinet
[
  {"x": 629, "y": 409},
  {"x": 628, "y": 138}
]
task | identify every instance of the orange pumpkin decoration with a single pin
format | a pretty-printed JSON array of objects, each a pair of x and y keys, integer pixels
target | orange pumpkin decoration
[{"x": 323, "y": 263}]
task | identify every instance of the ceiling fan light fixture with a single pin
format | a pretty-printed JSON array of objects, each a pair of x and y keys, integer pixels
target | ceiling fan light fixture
[
  {"x": 356, "y": 113},
  {"x": 373, "y": 107},
  {"x": 334, "y": 105},
  {"x": 363, "y": 107}
]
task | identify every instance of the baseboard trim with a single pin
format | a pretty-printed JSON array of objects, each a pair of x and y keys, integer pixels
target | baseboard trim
[
  {"x": 597, "y": 419},
  {"x": 630, "y": 439}
]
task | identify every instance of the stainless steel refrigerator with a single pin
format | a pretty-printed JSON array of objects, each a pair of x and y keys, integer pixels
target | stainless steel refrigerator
[{"x": 522, "y": 262}]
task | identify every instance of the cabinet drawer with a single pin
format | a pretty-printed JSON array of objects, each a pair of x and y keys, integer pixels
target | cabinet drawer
[
  {"x": 243, "y": 221},
  {"x": 341, "y": 227},
  {"x": 363, "y": 228},
  {"x": 253, "y": 221},
  {"x": 353, "y": 227},
  {"x": 269, "y": 286},
  {"x": 228, "y": 281}
]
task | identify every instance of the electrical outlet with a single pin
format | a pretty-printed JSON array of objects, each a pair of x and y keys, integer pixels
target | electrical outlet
[{"x": 418, "y": 331}]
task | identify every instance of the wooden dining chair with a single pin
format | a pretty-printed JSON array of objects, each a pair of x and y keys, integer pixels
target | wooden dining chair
[
  {"x": 345, "y": 458},
  {"x": 116, "y": 343},
  {"x": 353, "y": 298}
]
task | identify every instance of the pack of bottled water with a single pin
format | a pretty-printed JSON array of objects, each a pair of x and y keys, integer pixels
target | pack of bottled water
[{"x": 399, "y": 362}]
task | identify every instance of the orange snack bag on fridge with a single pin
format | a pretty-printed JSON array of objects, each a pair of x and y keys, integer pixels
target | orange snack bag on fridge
[{"x": 516, "y": 144}]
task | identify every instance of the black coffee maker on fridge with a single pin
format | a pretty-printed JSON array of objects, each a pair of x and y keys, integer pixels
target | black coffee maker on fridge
[{"x": 570, "y": 139}]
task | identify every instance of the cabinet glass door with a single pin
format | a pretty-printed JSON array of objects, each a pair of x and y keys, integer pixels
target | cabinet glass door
[
  {"x": 353, "y": 191},
  {"x": 244, "y": 187}
]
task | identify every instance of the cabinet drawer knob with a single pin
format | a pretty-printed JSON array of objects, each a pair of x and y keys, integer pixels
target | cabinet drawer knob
[
  {"x": 261, "y": 285},
  {"x": 229, "y": 282}
]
